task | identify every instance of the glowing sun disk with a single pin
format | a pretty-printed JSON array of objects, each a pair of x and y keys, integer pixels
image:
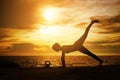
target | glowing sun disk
[{"x": 50, "y": 13}]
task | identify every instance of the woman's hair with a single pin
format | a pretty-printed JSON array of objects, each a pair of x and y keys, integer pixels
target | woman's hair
[{"x": 56, "y": 47}]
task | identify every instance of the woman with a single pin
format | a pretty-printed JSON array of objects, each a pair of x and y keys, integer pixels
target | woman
[{"x": 77, "y": 46}]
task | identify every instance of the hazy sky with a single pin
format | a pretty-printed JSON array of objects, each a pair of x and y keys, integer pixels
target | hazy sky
[{"x": 31, "y": 27}]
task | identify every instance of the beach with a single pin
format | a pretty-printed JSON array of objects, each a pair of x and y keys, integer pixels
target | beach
[{"x": 106, "y": 72}]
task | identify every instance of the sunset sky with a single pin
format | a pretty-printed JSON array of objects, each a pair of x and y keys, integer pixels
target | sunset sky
[{"x": 31, "y": 27}]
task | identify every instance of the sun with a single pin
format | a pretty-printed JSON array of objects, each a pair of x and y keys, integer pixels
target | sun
[{"x": 50, "y": 13}]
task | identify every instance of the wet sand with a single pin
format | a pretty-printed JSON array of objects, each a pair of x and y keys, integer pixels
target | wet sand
[{"x": 106, "y": 72}]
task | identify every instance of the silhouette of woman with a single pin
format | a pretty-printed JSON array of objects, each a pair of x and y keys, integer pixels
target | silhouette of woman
[{"x": 77, "y": 46}]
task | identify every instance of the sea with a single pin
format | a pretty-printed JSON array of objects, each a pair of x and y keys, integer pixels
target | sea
[{"x": 55, "y": 61}]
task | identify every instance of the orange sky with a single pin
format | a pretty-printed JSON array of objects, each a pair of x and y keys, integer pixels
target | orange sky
[{"x": 31, "y": 27}]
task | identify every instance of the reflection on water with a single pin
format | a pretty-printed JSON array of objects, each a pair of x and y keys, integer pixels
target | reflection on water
[{"x": 55, "y": 61}]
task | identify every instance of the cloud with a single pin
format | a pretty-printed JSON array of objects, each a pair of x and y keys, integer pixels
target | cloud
[
  {"x": 114, "y": 19},
  {"x": 22, "y": 47},
  {"x": 7, "y": 35},
  {"x": 111, "y": 46},
  {"x": 19, "y": 14},
  {"x": 110, "y": 24},
  {"x": 112, "y": 41},
  {"x": 26, "y": 47},
  {"x": 3, "y": 35}
]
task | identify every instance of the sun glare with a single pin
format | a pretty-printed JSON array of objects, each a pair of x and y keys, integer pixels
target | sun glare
[
  {"x": 50, "y": 13},
  {"x": 50, "y": 30}
]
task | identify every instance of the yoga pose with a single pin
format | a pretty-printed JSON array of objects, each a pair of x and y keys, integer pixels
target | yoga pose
[{"x": 77, "y": 46}]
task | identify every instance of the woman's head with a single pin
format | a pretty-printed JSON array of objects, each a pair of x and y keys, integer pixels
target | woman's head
[{"x": 56, "y": 47}]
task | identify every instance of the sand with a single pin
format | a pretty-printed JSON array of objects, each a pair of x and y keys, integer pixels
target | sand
[{"x": 107, "y": 72}]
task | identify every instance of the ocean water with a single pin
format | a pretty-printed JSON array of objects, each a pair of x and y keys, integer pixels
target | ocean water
[{"x": 55, "y": 61}]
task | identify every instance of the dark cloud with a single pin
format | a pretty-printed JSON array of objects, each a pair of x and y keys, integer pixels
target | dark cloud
[
  {"x": 114, "y": 19},
  {"x": 103, "y": 43},
  {"x": 4, "y": 41},
  {"x": 26, "y": 47},
  {"x": 111, "y": 41},
  {"x": 105, "y": 49},
  {"x": 117, "y": 3},
  {"x": 22, "y": 47},
  {"x": 104, "y": 46},
  {"x": 110, "y": 24},
  {"x": 107, "y": 2},
  {"x": 3, "y": 35}
]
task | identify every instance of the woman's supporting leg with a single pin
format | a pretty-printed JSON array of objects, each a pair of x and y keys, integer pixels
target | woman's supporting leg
[{"x": 63, "y": 59}]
